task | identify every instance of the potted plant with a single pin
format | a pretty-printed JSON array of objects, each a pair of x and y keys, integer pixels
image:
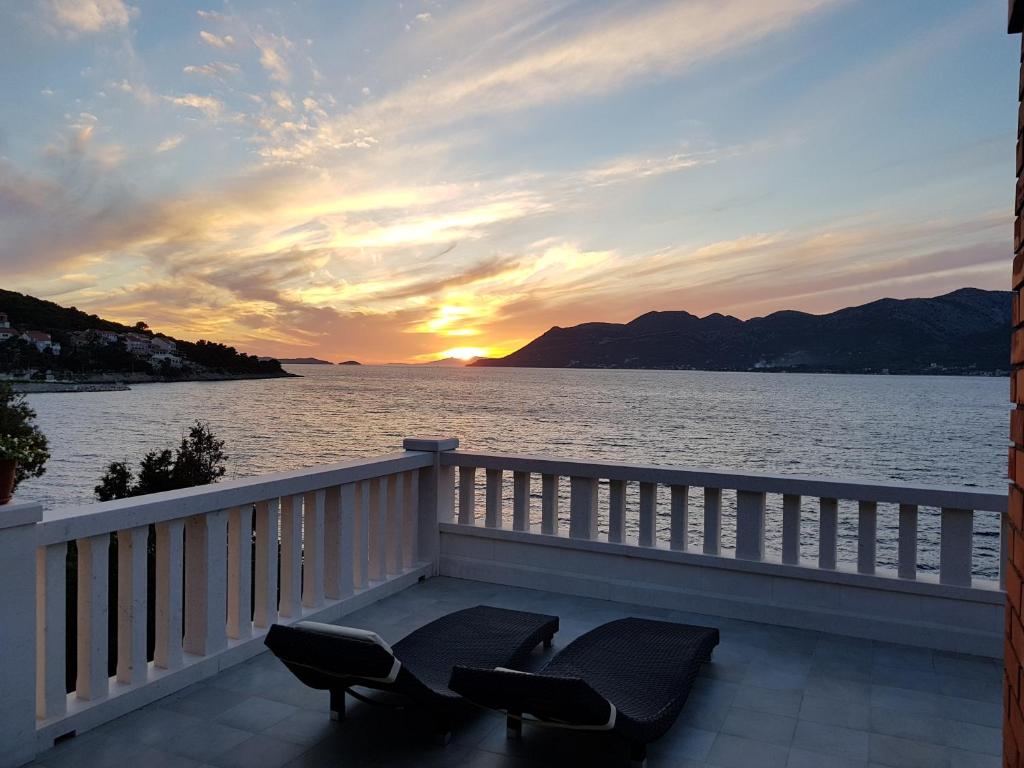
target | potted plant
[{"x": 24, "y": 449}]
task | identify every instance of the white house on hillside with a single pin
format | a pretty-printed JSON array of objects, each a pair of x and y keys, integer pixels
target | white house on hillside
[{"x": 42, "y": 341}]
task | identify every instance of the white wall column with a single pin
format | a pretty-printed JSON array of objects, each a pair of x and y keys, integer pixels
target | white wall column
[{"x": 17, "y": 633}]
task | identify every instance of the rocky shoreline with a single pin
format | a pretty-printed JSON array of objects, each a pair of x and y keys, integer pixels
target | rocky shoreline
[{"x": 121, "y": 383}]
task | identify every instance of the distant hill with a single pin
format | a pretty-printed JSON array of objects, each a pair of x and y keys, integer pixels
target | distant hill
[
  {"x": 966, "y": 331},
  {"x": 452, "y": 362},
  {"x": 81, "y": 357},
  {"x": 303, "y": 361}
]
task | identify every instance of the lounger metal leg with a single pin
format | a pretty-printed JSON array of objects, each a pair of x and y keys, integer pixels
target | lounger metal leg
[
  {"x": 513, "y": 726},
  {"x": 637, "y": 755},
  {"x": 547, "y": 642},
  {"x": 442, "y": 736},
  {"x": 337, "y": 705}
]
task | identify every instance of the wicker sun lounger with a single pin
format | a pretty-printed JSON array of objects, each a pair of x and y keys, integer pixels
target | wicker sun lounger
[
  {"x": 630, "y": 677},
  {"x": 334, "y": 658}
]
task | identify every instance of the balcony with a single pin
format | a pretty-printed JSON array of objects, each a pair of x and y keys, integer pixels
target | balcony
[{"x": 859, "y": 621}]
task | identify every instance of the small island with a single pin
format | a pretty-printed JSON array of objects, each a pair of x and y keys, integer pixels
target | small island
[
  {"x": 350, "y": 362},
  {"x": 303, "y": 361}
]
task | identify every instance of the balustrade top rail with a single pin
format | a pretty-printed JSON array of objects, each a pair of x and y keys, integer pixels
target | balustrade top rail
[
  {"x": 982, "y": 500},
  {"x": 83, "y": 520}
]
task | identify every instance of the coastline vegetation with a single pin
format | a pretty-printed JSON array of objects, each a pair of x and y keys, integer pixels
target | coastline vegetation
[
  {"x": 21, "y": 440},
  {"x": 199, "y": 460}
]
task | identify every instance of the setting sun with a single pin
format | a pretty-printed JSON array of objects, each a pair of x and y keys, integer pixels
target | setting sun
[{"x": 465, "y": 353}]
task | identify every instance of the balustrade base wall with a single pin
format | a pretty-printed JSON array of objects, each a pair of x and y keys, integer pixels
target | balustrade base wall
[{"x": 920, "y": 612}]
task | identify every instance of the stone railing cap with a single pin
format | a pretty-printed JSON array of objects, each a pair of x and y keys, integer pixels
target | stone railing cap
[
  {"x": 20, "y": 513},
  {"x": 430, "y": 443}
]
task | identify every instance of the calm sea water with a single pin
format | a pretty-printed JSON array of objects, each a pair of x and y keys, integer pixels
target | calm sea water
[{"x": 936, "y": 430}]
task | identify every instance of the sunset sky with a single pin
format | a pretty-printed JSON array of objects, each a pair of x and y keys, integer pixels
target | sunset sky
[{"x": 391, "y": 181}]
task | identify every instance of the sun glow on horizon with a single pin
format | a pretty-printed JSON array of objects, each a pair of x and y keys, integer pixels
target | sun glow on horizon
[{"x": 466, "y": 353}]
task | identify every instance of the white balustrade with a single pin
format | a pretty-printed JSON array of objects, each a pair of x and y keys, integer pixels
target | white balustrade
[
  {"x": 232, "y": 559},
  {"x": 750, "y": 525},
  {"x": 239, "y": 572},
  {"x": 712, "y": 520},
  {"x": 492, "y": 508},
  {"x": 205, "y": 583},
  {"x": 520, "y": 501},
  {"x": 291, "y": 557},
  {"x": 467, "y": 495},
  {"x": 169, "y": 559},
  {"x": 92, "y": 682},
  {"x": 617, "y": 511},
  {"x": 51, "y": 637},
  {"x": 132, "y": 665},
  {"x": 956, "y": 546},
  {"x": 347, "y": 559},
  {"x": 549, "y": 505},
  {"x": 265, "y": 610},
  {"x": 828, "y": 529},
  {"x": 907, "y": 551},
  {"x": 680, "y": 528},
  {"x": 867, "y": 536},
  {"x": 648, "y": 511},
  {"x": 582, "y": 507},
  {"x": 313, "y": 505},
  {"x": 791, "y": 514},
  {"x": 752, "y": 492}
]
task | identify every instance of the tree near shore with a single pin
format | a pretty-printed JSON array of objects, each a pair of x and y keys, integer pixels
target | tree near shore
[
  {"x": 199, "y": 460},
  {"x": 20, "y": 437}
]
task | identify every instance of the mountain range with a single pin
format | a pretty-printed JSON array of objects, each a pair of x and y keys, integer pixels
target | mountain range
[{"x": 963, "y": 332}]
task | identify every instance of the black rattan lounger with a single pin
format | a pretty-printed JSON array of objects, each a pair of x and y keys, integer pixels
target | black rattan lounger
[
  {"x": 630, "y": 676},
  {"x": 333, "y": 658}
]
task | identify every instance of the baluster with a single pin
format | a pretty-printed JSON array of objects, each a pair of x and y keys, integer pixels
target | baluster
[
  {"x": 240, "y": 572},
  {"x": 334, "y": 545},
  {"x": 582, "y": 507},
  {"x": 467, "y": 495},
  {"x": 956, "y": 546},
  {"x": 549, "y": 505},
  {"x": 291, "y": 557},
  {"x": 617, "y": 511},
  {"x": 378, "y": 528},
  {"x": 92, "y": 682},
  {"x": 313, "y": 549},
  {"x": 679, "y": 534},
  {"x": 493, "y": 501},
  {"x": 396, "y": 513},
  {"x": 361, "y": 568},
  {"x": 51, "y": 630},
  {"x": 712, "y": 521},
  {"x": 791, "y": 514},
  {"x": 205, "y": 583},
  {"x": 265, "y": 613},
  {"x": 167, "y": 653},
  {"x": 907, "y": 547},
  {"x": 411, "y": 512},
  {"x": 521, "y": 501},
  {"x": 867, "y": 536},
  {"x": 828, "y": 524},
  {"x": 648, "y": 510},
  {"x": 132, "y": 666},
  {"x": 383, "y": 500},
  {"x": 347, "y": 545},
  {"x": 750, "y": 525}
]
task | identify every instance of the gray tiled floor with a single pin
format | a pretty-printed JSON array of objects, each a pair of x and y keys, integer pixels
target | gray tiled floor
[{"x": 771, "y": 697}]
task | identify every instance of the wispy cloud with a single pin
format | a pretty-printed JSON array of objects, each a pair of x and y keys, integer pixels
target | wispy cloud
[
  {"x": 217, "y": 41},
  {"x": 89, "y": 16}
]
